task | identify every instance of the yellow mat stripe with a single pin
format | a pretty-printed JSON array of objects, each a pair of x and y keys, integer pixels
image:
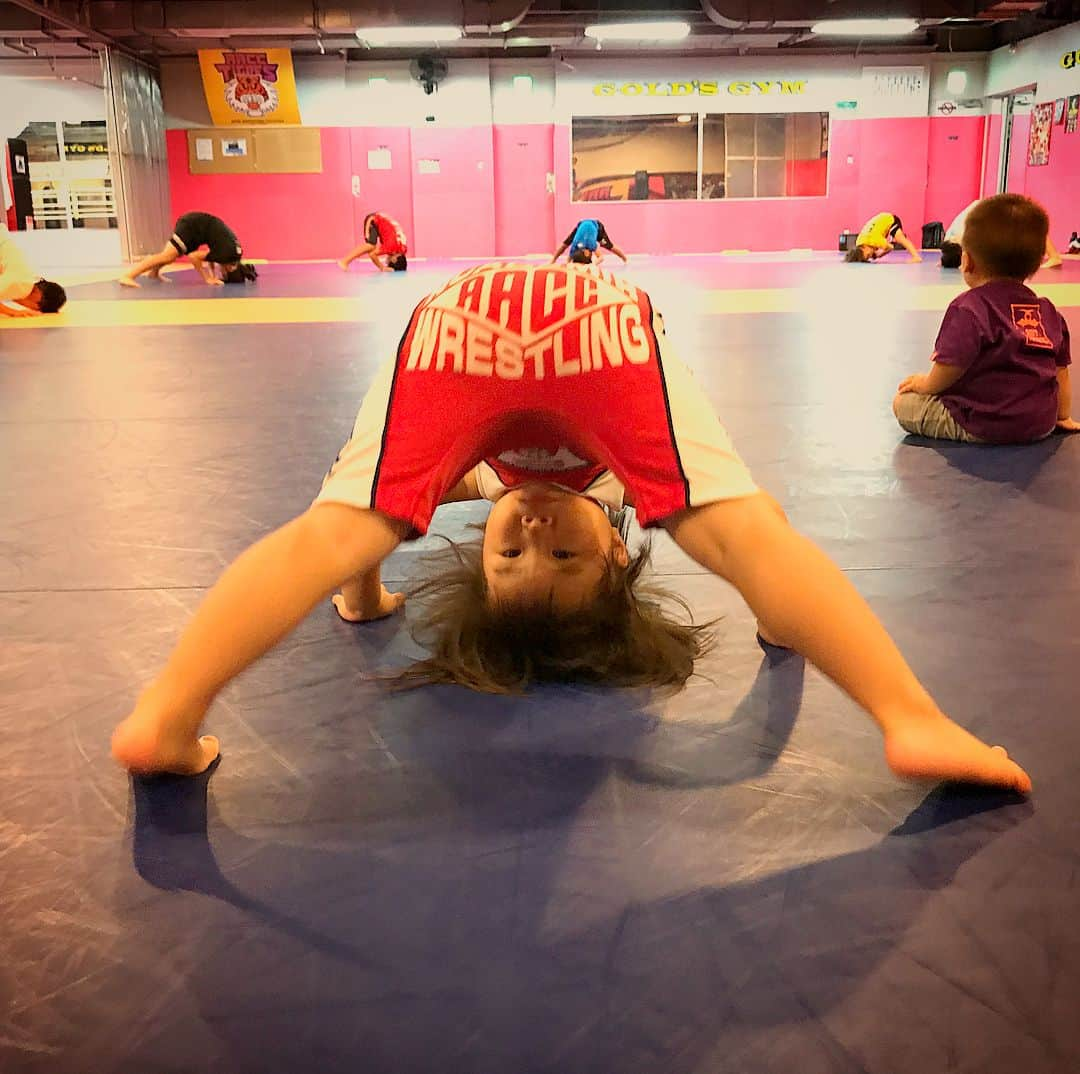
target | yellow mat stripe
[{"x": 121, "y": 313}]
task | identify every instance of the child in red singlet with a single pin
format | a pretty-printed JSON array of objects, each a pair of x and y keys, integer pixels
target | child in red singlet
[
  {"x": 384, "y": 242},
  {"x": 553, "y": 391}
]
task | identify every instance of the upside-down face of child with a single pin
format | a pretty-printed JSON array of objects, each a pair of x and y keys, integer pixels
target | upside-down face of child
[{"x": 546, "y": 545}]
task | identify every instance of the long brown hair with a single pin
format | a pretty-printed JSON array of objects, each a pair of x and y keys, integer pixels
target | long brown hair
[{"x": 633, "y": 632}]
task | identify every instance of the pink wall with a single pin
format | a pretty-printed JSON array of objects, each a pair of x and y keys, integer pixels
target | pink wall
[
  {"x": 874, "y": 165},
  {"x": 524, "y": 210},
  {"x": 274, "y": 216},
  {"x": 388, "y": 191},
  {"x": 954, "y": 165},
  {"x": 453, "y": 210},
  {"x": 489, "y": 196},
  {"x": 892, "y": 167}
]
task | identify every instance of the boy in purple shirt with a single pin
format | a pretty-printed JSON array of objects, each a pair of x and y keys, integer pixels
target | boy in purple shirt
[{"x": 1000, "y": 367}]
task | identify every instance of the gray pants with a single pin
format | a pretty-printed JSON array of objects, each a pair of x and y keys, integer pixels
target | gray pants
[{"x": 925, "y": 415}]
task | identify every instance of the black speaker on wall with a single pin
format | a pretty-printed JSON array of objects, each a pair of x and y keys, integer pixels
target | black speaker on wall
[{"x": 18, "y": 168}]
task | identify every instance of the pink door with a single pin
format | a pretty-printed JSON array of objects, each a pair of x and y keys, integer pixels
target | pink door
[
  {"x": 381, "y": 177},
  {"x": 524, "y": 208},
  {"x": 453, "y": 192}
]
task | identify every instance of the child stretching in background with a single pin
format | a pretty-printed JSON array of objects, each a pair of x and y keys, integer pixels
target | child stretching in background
[
  {"x": 554, "y": 378},
  {"x": 384, "y": 244},
  {"x": 586, "y": 242},
  {"x": 881, "y": 235},
  {"x": 1000, "y": 369},
  {"x": 951, "y": 248}
]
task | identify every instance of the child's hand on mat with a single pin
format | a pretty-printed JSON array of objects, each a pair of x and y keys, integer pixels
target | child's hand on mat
[
  {"x": 1068, "y": 425},
  {"x": 11, "y": 311},
  {"x": 215, "y": 282},
  {"x": 915, "y": 257},
  {"x": 387, "y": 605},
  {"x": 915, "y": 383}
]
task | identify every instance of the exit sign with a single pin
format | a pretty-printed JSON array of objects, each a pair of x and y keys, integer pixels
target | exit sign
[{"x": 847, "y": 104}]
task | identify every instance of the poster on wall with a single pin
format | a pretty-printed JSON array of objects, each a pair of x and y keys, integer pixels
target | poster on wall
[
  {"x": 1042, "y": 117},
  {"x": 1072, "y": 113},
  {"x": 1059, "y": 111},
  {"x": 255, "y": 86}
]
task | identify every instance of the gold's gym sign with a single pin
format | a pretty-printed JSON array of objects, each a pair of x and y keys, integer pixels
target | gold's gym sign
[
  {"x": 1069, "y": 60},
  {"x": 695, "y": 88}
]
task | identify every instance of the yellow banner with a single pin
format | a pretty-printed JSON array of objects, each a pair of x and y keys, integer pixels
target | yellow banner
[
  {"x": 255, "y": 86},
  {"x": 697, "y": 88}
]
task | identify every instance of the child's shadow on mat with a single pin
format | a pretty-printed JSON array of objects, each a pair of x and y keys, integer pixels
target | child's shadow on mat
[
  {"x": 540, "y": 953},
  {"x": 1012, "y": 464},
  {"x": 491, "y": 767}
]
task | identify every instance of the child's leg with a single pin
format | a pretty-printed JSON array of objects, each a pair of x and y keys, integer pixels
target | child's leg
[
  {"x": 807, "y": 604},
  {"x": 926, "y": 415},
  {"x": 1053, "y": 257},
  {"x": 362, "y": 250},
  {"x": 259, "y": 599},
  {"x": 151, "y": 264}
]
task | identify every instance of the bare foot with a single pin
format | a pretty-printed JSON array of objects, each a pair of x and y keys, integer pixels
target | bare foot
[
  {"x": 144, "y": 745},
  {"x": 938, "y": 749},
  {"x": 344, "y": 266},
  {"x": 127, "y": 281},
  {"x": 1054, "y": 262}
]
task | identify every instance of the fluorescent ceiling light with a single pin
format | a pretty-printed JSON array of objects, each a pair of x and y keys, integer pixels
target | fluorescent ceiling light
[
  {"x": 408, "y": 35},
  {"x": 865, "y": 27},
  {"x": 666, "y": 30}
]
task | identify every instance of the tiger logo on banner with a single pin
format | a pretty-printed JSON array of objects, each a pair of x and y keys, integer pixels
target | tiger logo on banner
[{"x": 253, "y": 86}]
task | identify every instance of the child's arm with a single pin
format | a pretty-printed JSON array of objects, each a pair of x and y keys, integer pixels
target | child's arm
[
  {"x": 376, "y": 260},
  {"x": 804, "y": 602},
  {"x": 13, "y": 311},
  {"x": 940, "y": 379},
  {"x": 618, "y": 253},
  {"x": 902, "y": 240},
  {"x": 1065, "y": 420},
  {"x": 259, "y": 599},
  {"x": 198, "y": 259},
  {"x": 559, "y": 252},
  {"x": 364, "y": 597}
]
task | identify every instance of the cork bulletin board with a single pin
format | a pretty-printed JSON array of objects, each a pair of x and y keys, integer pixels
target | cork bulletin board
[{"x": 254, "y": 150}]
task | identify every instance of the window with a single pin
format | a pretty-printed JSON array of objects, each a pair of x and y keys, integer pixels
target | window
[
  {"x": 634, "y": 158},
  {"x": 766, "y": 155},
  {"x": 70, "y": 175},
  {"x": 742, "y": 155}
]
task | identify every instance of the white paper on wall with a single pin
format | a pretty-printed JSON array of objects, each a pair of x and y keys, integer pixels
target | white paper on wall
[
  {"x": 204, "y": 148},
  {"x": 428, "y": 167},
  {"x": 378, "y": 160}
]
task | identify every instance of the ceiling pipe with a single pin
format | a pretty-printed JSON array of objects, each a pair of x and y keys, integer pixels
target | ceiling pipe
[
  {"x": 503, "y": 27},
  {"x": 48, "y": 15},
  {"x": 19, "y": 46},
  {"x": 717, "y": 18}
]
